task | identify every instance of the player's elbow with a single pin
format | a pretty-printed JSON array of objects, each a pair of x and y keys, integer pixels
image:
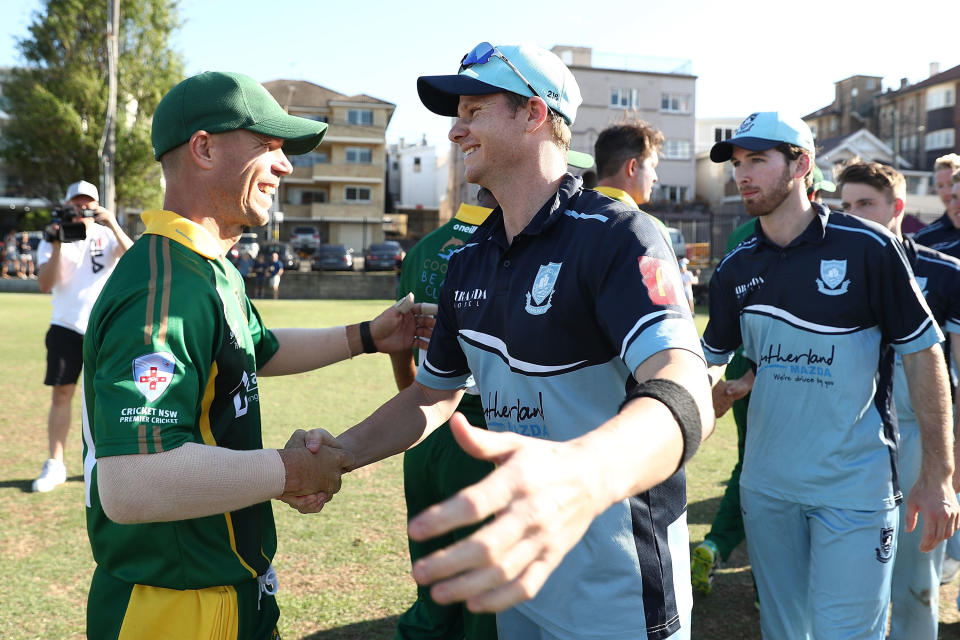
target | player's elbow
[{"x": 119, "y": 502}]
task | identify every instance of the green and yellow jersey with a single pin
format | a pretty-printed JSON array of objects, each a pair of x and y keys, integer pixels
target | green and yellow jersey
[
  {"x": 425, "y": 267},
  {"x": 171, "y": 356}
]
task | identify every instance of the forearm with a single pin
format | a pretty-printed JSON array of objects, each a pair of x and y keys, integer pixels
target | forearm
[
  {"x": 400, "y": 423},
  {"x": 307, "y": 349},
  {"x": 930, "y": 396},
  {"x": 404, "y": 368},
  {"x": 642, "y": 445},
  {"x": 123, "y": 240},
  {"x": 49, "y": 271},
  {"x": 191, "y": 481}
]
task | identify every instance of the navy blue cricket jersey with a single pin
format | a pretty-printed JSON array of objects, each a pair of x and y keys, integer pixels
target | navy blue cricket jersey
[
  {"x": 940, "y": 235},
  {"x": 552, "y": 327},
  {"x": 816, "y": 319},
  {"x": 938, "y": 276}
]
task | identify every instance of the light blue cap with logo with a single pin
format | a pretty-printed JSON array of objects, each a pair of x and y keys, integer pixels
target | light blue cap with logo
[
  {"x": 524, "y": 69},
  {"x": 764, "y": 130}
]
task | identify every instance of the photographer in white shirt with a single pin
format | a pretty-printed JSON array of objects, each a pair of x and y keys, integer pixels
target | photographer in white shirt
[{"x": 77, "y": 255}]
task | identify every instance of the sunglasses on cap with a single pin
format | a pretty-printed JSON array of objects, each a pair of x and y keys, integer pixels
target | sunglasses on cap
[{"x": 482, "y": 53}]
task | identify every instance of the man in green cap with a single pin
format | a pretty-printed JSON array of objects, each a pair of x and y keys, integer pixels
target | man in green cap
[{"x": 178, "y": 484}]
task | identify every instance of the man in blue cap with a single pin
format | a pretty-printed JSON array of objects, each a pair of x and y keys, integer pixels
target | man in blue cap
[
  {"x": 821, "y": 301},
  {"x": 567, "y": 308}
]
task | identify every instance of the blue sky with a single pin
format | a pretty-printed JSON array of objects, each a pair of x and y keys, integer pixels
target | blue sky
[{"x": 750, "y": 55}]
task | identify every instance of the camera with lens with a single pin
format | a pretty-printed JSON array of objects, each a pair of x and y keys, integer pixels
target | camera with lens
[{"x": 71, "y": 228}]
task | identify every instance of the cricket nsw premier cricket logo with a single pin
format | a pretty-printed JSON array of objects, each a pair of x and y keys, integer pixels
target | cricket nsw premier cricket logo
[
  {"x": 153, "y": 374},
  {"x": 831, "y": 281},
  {"x": 542, "y": 292}
]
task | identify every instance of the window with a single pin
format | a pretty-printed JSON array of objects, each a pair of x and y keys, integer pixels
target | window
[
  {"x": 416, "y": 165},
  {"x": 676, "y": 149},
  {"x": 672, "y": 193},
  {"x": 360, "y": 116},
  {"x": 871, "y": 83},
  {"x": 622, "y": 98},
  {"x": 722, "y": 133},
  {"x": 942, "y": 139},
  {"x": 938, "y": 98},
  {"x": 356, "y": 194},
  {"x": 313, "y": 116},
  {"x": 675, "y": 103},
  {"x": 908, "y": 143},
  {"x": 833, "y": 125},
  {"x": 305, "y": 196},
  {"x": 309, "y": 159},
  {"x": 359, "y": 155}
]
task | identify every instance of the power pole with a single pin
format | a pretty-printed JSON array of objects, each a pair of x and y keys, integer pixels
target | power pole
[{"x": 108, "y": 143}]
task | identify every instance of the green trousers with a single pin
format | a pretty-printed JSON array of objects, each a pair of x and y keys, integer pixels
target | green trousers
[
  {"x": 726, "y": 531},
  {"x": 433, "y": 471}
]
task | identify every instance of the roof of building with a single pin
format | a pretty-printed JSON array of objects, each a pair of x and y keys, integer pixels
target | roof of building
[
  {"x": 301, "y": 93},
  {"x": 944, "y": 76}
]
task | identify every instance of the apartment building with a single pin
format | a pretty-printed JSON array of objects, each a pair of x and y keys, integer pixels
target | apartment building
[
  {"x": 340, "y": 187},
  {"x": 615, "y": 88}
]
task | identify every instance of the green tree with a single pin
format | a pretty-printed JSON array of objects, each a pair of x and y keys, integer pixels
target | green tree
[{"x": 56, "y": 102}]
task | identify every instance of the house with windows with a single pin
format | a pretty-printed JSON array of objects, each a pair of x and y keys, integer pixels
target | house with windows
[
  {"x": 917, "y": 122},
  {"x": 340, "y": 187},
  {"x": 660, "y": 91}
]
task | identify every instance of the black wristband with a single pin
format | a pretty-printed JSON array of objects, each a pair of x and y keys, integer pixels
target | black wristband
[
  {"x": 680, "y": 403},
  {"x": 369, "y": 346}
]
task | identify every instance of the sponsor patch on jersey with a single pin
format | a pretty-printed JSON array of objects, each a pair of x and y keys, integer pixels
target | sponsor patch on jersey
[
  {"x": 153, "y": 374},
  {"x": 662, "y": 283}
]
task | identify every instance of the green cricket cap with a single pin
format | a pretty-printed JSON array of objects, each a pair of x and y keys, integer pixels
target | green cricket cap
[{"x": 216, "y": 102}]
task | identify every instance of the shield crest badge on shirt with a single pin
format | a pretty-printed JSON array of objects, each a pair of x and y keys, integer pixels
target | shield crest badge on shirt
[
  {"x": 541, "y": 294},
  {"x": 153, "y": 374},
  {"x": 831, "y": 281}
]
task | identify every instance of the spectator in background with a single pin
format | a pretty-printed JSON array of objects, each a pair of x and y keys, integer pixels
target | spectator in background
[
  {"x": 26, "y": 257},
  {"x": 689, "y": 279},
  {"x": 11, "y": 260},
  {"x": 244, "y": 265},
  {"x": 259, "y": 275},
  {"x": 75, "y": 272},
  {"x": 276, "y": 270}
]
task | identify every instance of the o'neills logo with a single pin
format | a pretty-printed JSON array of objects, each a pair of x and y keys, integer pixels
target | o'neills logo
[{"x": 468, "y": 298}]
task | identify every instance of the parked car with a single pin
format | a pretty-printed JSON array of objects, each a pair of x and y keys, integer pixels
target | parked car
[
  {"x": 248, "y": 243},
  {"x": 382, "y": 256},
  {"x": 332, "y": 257},
  {"x": 289, "y": 257},
  {"x": 305, "y": 238}
]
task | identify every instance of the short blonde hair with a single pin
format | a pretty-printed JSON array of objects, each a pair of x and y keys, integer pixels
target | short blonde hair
[
  {"x": 561, "y": 131},
  {"x": 950, "y": 161}
]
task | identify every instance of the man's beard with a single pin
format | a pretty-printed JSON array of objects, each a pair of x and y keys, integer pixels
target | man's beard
[{"x": 768, "y": 203}]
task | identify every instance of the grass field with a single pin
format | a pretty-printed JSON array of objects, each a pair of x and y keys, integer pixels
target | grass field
[{"x": 344, "y": 573}]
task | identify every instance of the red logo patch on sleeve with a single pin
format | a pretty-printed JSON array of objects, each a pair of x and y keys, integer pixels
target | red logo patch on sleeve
[{"x": 661, "y": 281}]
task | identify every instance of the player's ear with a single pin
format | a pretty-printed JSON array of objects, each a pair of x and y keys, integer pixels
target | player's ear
[{"x": 200, "y": 148}]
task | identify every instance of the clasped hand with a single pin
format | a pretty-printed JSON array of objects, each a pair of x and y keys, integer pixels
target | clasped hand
[{"x": 313, "y": 474}]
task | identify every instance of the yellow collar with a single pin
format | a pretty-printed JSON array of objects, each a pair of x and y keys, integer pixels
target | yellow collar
[
  {"x": 186, "y": 232},
  {"x": 617, "y": 194},
  {"x": 472, "y": 214}
]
